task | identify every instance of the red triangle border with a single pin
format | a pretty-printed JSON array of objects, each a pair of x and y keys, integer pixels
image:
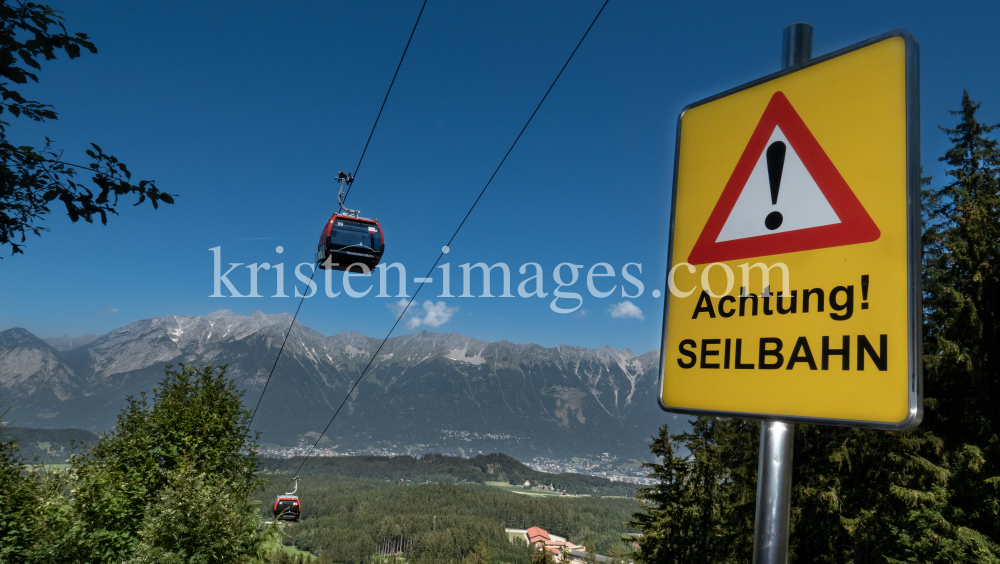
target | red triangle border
[{"x": 855, "y": 226}]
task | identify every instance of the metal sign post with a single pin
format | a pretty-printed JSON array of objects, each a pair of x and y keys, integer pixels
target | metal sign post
[
  {"x": 774, "y": 489},
  {"x": 774, "y": 471}
]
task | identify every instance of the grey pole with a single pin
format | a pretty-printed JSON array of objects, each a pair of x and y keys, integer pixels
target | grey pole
[
  {"x": 774, "y": 470},
  {"x": 774, "y": 488},
  {"x": 796, "y": 44}
]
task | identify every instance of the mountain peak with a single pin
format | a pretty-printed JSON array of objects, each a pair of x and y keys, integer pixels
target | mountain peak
[
  {"x": 65, "y": 342},
  {"x": 17, "y": 335},
  {"x": 30, "y": 366},
  {"x": 423, "y": 389}
]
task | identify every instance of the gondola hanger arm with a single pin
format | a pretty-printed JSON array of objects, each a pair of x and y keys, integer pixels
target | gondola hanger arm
[
  {"x": 296, "y": 478},
  {"x": 345, "y": 178}
]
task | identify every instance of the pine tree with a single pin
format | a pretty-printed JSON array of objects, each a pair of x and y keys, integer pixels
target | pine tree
[
  {"x": 962, "y": 284},
  {"x": 962, "y": 329},
  {"x": 702, "y": 508},
  {"x": 542, "y": 556}
]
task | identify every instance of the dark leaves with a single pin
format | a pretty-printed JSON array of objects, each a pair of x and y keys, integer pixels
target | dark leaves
[
  {"x": 74, "y": 213},
  {"x": 29, "y": 178},
  {"x": 28, "y": 59}
]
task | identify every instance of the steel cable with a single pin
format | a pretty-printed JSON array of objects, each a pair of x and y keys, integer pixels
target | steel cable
[
  {"x": 444, "y": 249},
  {"x": 287, "y": 333},
  {"x": 365, "y": 150},
  {"x": 393, "y": 81}
]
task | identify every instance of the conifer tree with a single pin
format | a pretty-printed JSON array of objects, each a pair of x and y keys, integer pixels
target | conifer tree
[
  {"x": 702, "y": 508},
  {"x": 962, "y": 283},
  {"x": 542, "y": 556},
  {"x": 962, "y": 306}
]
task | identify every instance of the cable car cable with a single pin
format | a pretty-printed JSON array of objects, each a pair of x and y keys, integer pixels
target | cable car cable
[
  {"x": 441, "y": 254},
  {"x": 393, "y": 81},
  {"x": 268, "y": 381},
  {"x": 525, "y": 126}
]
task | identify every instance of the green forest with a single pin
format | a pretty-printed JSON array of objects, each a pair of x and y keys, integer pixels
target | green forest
[
  {"x": 170, "y": 485},
  {"x": 350, "y": 519},
  {"x": 931, "y": 494},
  {"x": 451, "y": 470}
]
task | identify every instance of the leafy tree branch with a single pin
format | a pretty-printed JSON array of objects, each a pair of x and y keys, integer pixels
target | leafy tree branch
[{"x": 32, "y": 178}]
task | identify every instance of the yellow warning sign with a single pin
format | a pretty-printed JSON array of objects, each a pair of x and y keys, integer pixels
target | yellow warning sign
[{"x": 794, "y": 284}]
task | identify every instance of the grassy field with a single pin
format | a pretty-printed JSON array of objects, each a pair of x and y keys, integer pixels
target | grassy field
[
  {"x": 291, "y": 550},
  {"x": 51, "y": 467},
  {"x": 535, "y": 491}
]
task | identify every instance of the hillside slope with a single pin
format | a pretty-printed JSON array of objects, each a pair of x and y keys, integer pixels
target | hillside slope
[{"x": 450, "y": 469}]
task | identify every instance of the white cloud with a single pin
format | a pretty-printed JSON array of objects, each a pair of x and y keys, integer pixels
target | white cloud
[
  {"x": 108, "y": 311},
  {"x": 430, "y": 313},
  {"x": 625, "y": 309},
  {"x": 581, "y": 313},
  {"x": 435, "y": 314},
  {"x": 397, "y": 307}
]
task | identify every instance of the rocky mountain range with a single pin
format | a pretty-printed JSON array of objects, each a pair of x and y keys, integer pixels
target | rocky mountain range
[{"x": 425, "y": 392}]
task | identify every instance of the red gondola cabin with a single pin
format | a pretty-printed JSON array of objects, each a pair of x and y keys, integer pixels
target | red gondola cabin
[
  {"x": 347, "y": 240},
  {"x": 287, "y": 508}
]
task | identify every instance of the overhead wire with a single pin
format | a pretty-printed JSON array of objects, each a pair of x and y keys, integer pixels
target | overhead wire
[
  {"x": 285, "y": 340},
  {"x": 365, "y": 150},
  {"x": 393, "y": 81},
  {"x": 445, "y": 248}
]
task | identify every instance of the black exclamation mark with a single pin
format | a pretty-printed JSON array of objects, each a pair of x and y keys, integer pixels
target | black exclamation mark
[
  {"x": 775, "y": 164},
  {"x": 864, "y": 291}
]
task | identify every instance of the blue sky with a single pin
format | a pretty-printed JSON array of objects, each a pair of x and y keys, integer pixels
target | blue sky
[{"x": 247, "y": 110}]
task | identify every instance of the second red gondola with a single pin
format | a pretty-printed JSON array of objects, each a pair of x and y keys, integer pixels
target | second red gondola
[{"x": 287, "y": 507}]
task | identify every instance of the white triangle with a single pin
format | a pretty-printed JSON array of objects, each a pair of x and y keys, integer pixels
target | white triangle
[{"x": 800, "y": 201}]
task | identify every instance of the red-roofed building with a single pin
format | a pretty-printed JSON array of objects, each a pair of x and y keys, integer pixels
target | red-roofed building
[
  {"x": 541, "y": 539},
  {"x": 539, "y": 536}
]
